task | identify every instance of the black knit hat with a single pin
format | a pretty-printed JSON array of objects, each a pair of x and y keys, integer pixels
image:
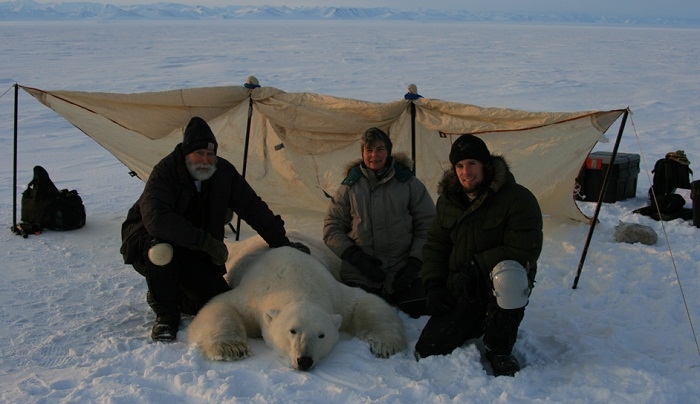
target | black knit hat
[
  {"x": 198, "y": 135},
  {"x": 469, "y": 147}
]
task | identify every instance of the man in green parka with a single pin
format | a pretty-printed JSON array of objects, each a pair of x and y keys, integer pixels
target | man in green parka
[{"x": 480, "y": 259}]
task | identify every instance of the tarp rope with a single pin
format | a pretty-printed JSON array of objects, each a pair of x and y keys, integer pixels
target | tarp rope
[
  {"x": 8, "y": 90},
  {"x": 668, "y": 243}
]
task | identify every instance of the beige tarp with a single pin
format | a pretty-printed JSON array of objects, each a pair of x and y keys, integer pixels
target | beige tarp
[{"x": 299, "y": 143}]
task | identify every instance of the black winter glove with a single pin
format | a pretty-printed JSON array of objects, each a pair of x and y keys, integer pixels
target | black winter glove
[
  {"x": 405, "y": 276},
  {"x": 473, "y": 268},
  {"x": 369, "y": 266},
  {"x": 299, "y": 246},
  {"x": 438, "y": 300},
  {"x": 215, "y": 248},
  {"x": 531, "y": 273}
]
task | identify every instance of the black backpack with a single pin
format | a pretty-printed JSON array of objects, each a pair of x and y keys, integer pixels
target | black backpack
[
  {"x": 45, "y": 206},
  {"x": 670, "y": 173}
]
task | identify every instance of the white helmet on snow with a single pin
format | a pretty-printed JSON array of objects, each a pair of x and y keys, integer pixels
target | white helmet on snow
[{"x": 510, "y": 284}]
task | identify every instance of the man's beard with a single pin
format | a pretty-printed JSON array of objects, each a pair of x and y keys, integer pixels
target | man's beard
[
  {"x": 473, "y": 189},
  {"x": 200, "y": 172},
  {"x": 474, "y": 186}
]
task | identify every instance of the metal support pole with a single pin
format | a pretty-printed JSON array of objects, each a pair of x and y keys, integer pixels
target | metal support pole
[
  {"x": 14, "y": 165},
  {"x": 600, "y": 198},
  {"x": 245, "y": 158},
  {"x": 413, "y": 136}
]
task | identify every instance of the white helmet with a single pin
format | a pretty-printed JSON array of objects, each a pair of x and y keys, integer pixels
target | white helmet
[{"x": 510, "y": 284}]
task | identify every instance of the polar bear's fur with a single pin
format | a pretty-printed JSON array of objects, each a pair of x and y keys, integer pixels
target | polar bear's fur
[{"x": 292, "y": 301}]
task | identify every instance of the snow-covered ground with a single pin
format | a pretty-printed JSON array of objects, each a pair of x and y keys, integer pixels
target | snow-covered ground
[{"x": 75, "y": 321}]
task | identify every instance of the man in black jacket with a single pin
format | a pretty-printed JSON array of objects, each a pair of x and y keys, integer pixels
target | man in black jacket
[
  {"x": 173, "y": 235},
  {"x": 480, "y": 257}
]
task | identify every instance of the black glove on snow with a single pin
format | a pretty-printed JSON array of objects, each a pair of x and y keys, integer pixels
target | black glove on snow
[
  {"x": 369, "y": 266},
  {"x": 438, "y": 299},
  {"x": 405, "y": 276},
  {"x": 215, "y": 248},
  {"x": 299, "y": 246}
]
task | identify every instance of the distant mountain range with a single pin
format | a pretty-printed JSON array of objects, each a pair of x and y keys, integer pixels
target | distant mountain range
[{"x": 28, "y": 10}]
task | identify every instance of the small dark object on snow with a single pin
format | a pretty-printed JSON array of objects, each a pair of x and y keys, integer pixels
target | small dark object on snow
[{"x": 635, "y": 233}]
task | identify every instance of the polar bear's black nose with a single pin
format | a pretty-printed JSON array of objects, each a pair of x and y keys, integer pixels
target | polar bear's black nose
[{"x": 305, "y": 363}]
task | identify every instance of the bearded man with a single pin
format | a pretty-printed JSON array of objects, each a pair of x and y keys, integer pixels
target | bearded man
[{"x": 173, "y": 234}]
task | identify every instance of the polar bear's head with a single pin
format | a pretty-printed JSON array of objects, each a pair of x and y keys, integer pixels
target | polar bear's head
[{"x": 301, "y": 334}]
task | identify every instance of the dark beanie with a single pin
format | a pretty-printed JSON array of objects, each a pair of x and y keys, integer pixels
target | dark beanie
[
  {"x": 469, "y": 147},
  {"x": 198, "y": 135}
]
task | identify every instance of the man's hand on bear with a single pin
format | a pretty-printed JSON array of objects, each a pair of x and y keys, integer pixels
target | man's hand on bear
[
  {"x": 299, "y": 246},
  {"x": 408, "y": 274},
  {"x": 217, "y": 250},
  {"x": 369, "y": 266}
]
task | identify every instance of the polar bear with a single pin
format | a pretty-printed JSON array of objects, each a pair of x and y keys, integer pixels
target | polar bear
[{"x": 293, "y": 301}]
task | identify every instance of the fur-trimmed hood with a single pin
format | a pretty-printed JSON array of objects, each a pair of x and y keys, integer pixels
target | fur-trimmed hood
[{"x": 496, "y": 174}]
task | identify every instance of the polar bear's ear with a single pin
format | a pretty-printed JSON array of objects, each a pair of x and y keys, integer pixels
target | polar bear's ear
[
  {"x": 270, "y": 315},
  {"x": 337, "y": 320}
]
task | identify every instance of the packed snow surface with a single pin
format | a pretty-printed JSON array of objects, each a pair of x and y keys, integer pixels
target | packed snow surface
[{"x": 75, "y": 320}]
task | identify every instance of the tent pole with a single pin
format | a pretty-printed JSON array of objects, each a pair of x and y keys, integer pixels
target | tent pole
[
  {"x": 14, "y": 165},
  {"x": 245, "y": 158},
  {"x": 413, "y": 136},
  {"x": 600, "y": 198}
]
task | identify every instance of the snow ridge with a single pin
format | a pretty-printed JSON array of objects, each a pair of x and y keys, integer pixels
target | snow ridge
[{"x": 29, "y": 10}]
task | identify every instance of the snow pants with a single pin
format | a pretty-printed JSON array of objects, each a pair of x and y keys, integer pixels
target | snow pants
[
  {"x": 469, "y": 320},
  {"x": 184, "y": 285}
]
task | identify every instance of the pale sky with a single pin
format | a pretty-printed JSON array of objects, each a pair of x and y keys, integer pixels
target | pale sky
[{"x": 665, "y": 8}]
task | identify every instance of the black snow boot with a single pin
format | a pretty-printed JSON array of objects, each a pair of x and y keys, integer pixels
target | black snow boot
[
  {"x": 165, "y": 327},
  {"x": 502, "y": 364}
]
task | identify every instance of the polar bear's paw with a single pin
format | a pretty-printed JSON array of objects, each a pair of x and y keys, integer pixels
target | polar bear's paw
[
  {"x": 386, "y": 347},
  {"x": 226, "y": 350},
  {"x": 375, "y": 322}
]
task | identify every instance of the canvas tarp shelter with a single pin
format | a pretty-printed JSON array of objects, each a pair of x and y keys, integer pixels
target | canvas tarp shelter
[{"x": 300, "y": 143}]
